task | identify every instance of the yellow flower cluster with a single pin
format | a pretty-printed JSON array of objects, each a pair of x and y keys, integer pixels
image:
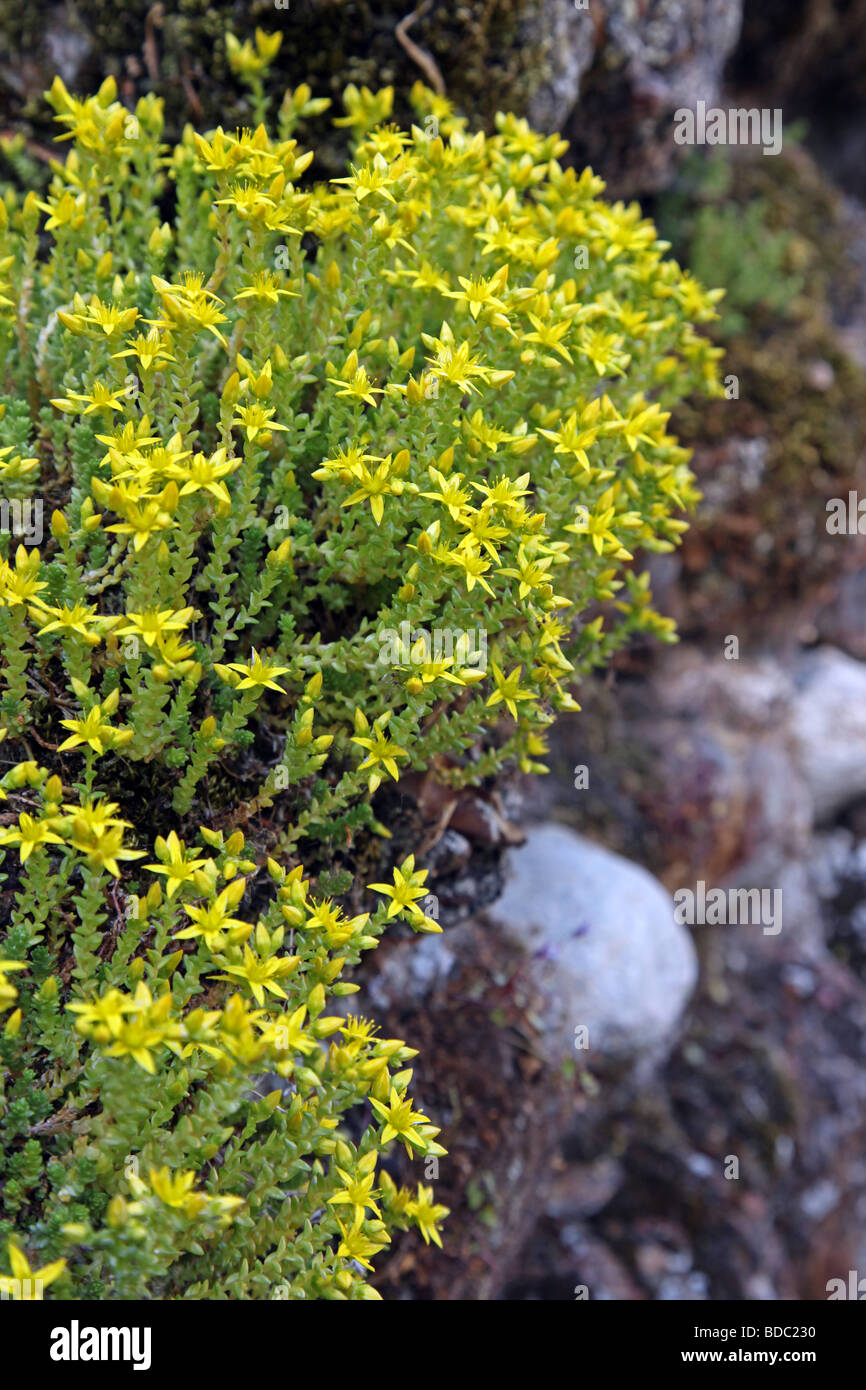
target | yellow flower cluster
[{"x": 431, "y": 396}]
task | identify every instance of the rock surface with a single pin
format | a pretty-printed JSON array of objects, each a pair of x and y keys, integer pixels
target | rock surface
[
  {"x": 573, "y": 40},
  {"x": 649, "y": 61},
  {"x": 603, "y": 950},
  {"x": 412, "y": 970},
  {"x": 828, "y": 730},
  {"x": 780, "y": 743},
  {"x": 612, "y": 71},
  {"x": 739, "y": 1168},
  {"x": 735, "y": 1170}
]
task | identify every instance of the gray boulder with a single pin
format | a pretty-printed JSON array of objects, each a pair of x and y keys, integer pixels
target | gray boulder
[
  {"x": 603, "y": 952},
  {"x": 827, "y": 728},
  {"x": 648, "y": 61}
]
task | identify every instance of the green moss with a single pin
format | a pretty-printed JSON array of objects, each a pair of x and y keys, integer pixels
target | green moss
[{"x": 788, "y": 277}]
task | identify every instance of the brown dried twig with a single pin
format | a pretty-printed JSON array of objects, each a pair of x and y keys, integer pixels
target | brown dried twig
[
  {"x": 419, "y": 55},
  {"x": 149, "y": 48}
]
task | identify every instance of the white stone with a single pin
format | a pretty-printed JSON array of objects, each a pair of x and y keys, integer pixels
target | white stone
[
  {"x": 603, "y": 949},
  {"x": 827, "y": 729}
]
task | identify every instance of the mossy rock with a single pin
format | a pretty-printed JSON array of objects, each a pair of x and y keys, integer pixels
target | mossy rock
[
  {"x": 482, "y": 50},
  {"x": 608, "y": 75},
  {"x": 760, "y": 544}
]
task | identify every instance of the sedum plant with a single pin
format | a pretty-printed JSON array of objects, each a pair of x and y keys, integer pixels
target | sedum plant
[{"x": 263, "y": 443}]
